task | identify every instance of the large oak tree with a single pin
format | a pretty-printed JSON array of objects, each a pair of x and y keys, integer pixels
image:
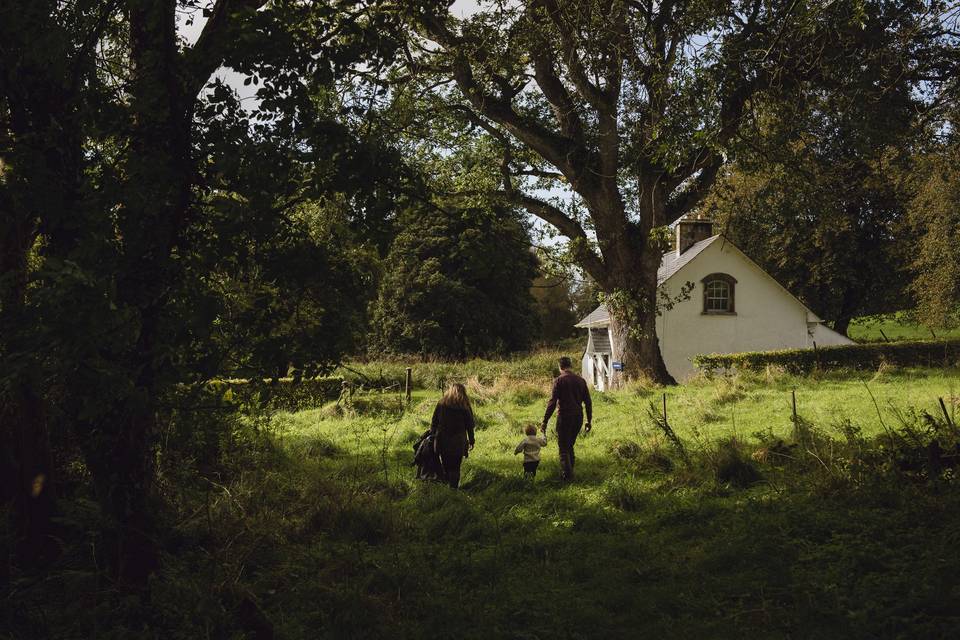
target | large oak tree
[{"x": 629, "y": 105}]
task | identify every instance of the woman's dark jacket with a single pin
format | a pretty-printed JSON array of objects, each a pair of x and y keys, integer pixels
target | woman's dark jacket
[{"x": 453, "y": 427}]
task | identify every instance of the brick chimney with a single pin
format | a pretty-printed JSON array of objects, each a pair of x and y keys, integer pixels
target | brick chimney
[{"x": 691, "y": 231}]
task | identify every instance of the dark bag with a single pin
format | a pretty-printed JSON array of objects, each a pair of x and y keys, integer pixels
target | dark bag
[{"x": 426, "y": 458}]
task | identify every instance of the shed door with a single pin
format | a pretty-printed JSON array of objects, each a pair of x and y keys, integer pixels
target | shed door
[{"x": 601, "y": 340}]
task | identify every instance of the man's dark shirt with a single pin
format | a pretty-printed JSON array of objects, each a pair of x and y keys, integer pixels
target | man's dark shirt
[{"x": 569, "y": 390}]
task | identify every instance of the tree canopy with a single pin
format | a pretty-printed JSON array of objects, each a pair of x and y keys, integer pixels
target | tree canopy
[
  {"x": 456, "y": 284},
  {"x": 631, "y": 108}
]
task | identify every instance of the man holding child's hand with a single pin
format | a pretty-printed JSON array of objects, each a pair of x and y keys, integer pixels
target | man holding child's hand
[{"x": 569, "y": 393}]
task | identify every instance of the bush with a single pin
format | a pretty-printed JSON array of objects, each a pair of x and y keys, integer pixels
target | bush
[
  {"x": 539, "y": 367},
  {"x": 283, "y": 394},
  {"x": 852, "y": 356},
  {"x": 733, "y": 467}
]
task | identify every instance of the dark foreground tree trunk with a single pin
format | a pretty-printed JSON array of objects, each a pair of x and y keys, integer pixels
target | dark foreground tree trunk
[
  {"x": 26, "y": 460},
  {"x": 124, "y": 481},
  {"x": 155, "y": 203},
  {"x": 27, "y": 475}
]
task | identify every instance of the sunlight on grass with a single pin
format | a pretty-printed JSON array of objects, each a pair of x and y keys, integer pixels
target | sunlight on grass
[{"x": 736, "y": 528}]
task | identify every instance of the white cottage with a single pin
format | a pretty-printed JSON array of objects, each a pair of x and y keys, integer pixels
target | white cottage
[{"x": 734, "y": 306}]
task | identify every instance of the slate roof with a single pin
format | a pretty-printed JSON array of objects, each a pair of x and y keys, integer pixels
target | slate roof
[{"x": 669, "y": 265}]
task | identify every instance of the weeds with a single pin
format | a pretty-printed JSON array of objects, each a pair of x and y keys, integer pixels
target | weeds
[
  {"x": 678, "y": 528},
  {"x": 660, "y": 422}
]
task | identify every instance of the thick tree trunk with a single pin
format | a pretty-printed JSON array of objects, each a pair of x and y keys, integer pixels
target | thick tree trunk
[
  {"x": 638, "y": 348},
  {"x": 155, "y": 206},
  {"x": 842, "y": 325},
  {"x": 27, "y": 463},
  {"x": 632, "y": 259},
  {"x": 848, "y": 308},
  {"x": 632, "y": 303}
]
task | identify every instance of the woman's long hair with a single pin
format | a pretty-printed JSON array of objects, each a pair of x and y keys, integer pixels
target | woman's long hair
[{"x": 456, "y": 396}]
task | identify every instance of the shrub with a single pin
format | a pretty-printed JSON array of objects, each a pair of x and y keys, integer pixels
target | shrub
[
  {"x": 283, "y": 394},
  {"x": 851, "y": 356},
  {"x": 733, "y": 467},
  {"x": 437, "y": 374}
]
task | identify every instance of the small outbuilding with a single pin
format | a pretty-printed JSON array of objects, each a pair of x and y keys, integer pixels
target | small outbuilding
[{"x": 734, "y": 306}]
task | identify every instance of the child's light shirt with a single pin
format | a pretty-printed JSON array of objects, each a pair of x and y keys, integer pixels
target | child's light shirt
[{"x": 530, "y": 447}]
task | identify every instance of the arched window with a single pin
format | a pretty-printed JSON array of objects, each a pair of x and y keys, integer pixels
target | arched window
[{"x": 718, "y": 293}]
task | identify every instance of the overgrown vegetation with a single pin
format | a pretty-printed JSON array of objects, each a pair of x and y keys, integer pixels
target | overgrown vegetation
[{"x": 728, "y": 518}]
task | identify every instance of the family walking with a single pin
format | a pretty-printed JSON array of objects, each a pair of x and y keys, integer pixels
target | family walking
[{"x": 440, "y": 452}]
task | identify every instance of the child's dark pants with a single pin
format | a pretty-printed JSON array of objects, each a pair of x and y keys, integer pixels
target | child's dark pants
[{"x": 530, "y": 468}]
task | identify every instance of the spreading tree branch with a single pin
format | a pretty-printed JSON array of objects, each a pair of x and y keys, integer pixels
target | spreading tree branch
[{"x": 215, "y": 42}]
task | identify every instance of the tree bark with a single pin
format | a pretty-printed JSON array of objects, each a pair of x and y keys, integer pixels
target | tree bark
[
  {"x": 848, "y": 308},
  {"x": 632, "y": 304},
  {"x": 41, "y": 167},
  {"x": 156, "y": 201},
  {"x": 27, "y": 463}
]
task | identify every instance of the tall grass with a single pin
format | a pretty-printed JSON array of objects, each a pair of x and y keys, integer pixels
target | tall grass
[{"x": 310, "y": 522}]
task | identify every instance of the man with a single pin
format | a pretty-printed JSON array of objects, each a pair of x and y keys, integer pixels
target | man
[{"x": 569, "y": 392}]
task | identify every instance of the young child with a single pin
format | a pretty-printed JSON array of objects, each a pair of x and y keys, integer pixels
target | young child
[{"x": 530, "y": 446}]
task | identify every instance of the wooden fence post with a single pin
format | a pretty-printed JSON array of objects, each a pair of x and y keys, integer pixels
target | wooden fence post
[
  {"x": 408, "y": 385},
  {"x": 946, "y": 416},
  {"x": 796, "y": 424}
]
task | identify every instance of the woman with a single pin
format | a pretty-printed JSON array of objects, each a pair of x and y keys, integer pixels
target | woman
[{"x": 452, "y": 426}]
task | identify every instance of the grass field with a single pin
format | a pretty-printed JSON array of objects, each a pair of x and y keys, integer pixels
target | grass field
[
  {"x": 640, "y": 545},
  {"x": 701, "y": 412},
  {"x": 895, "y": 327},
  {"x": 313, "y": 525}
]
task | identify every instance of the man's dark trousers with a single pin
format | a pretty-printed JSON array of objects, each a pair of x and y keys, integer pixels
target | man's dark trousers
[{"x": 567, "y": 431}]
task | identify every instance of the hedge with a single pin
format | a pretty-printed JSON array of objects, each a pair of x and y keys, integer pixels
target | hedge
[
  {"x": 436, "y": 374},
  {"x": 284, "y": 394},
  {"x": 928, "y": 353}
]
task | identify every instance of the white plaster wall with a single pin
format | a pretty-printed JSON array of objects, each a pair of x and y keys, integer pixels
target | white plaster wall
[
  {"x": 827, "y": 337},
  {"x": 767, "y": 316}
]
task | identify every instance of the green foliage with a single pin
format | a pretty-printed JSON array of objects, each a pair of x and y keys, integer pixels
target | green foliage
[
  {"x": 281, "y": 394},
  {"x": 540, "y": 365},
  {"x": 935, "y": 215},
  {"x": 158, "y": 232},
  {"x": 817, "y": 193},
  {"x": 554, "y": 307},
  {"x": 457, "y": 284},
  {"x": 944, "y": 353}
]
